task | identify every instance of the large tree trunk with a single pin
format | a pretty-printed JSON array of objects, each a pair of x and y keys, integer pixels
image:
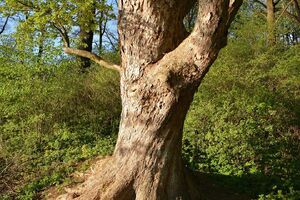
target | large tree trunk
[
  {"x": 161, "y": 69},
  {"x": 149, "y": 143}
]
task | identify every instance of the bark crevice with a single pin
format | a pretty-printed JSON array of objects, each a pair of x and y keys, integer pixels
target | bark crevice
[{"x": 161, "y": 70}]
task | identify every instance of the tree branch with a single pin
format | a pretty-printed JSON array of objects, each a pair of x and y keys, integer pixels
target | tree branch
[
  {"x": 194, "y": 56},
  {"x": 233, "y": 9},
  {"x": 113, "y": 39},
  {"x": 28, "y": 4},
  {"x": 4, "y": 25},
  {"x": 297, "y": 7},
  {"x": 108, "y": 35},
  {"x": 292, "y": 16},
  {"x": 63, "y": 34},
  {"x": 97, "y": 59}
]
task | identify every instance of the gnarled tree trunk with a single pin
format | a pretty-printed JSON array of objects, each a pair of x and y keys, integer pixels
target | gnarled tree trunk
[{"x": 162, "y": 67}]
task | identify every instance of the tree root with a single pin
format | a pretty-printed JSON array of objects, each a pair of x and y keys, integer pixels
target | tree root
[{"x": 111, "y": 183}]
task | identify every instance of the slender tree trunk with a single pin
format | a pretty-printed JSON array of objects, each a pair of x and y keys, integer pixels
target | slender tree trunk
[
  {"x": 271, "y": 22},
  {"x": 162, "y": 67},
  {"x": 41, "y": 41},
  {"x": 102, "y": 29}
]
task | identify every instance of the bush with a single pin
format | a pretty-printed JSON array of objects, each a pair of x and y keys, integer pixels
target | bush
[
  {"x": 244, "y": 121},
  {"x": 51, "y": 118}
]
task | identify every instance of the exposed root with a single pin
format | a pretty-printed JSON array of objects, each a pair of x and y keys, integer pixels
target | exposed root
[
  {"x": 103, "y": 181},
  {"x": 91, "y": 179},
  {"x": 106, "y": 182},
  {"x": 109, "y": 183}
]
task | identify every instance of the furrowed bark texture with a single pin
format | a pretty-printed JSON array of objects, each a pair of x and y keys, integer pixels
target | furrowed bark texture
[{"x": 162, "y": 68}]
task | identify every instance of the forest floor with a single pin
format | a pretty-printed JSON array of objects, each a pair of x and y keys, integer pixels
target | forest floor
[{"x": 208, "y": 185}]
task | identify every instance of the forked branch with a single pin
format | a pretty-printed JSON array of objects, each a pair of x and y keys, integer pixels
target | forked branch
[{"x": 201, "y": 47}]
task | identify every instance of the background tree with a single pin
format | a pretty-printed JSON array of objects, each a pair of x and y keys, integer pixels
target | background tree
[
  {"x": 271, "y": 20},
  {"x": 277, "y": 25},
  {"x": 74, "y": 22},
  {"x": 86, "y": 18},
  {"x": 270, "y": 9}
]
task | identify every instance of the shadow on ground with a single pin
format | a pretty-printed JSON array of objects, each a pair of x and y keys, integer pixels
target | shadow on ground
[{"x": 217, "y": 186}]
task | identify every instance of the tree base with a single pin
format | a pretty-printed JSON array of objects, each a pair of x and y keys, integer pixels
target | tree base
[
  {"x": 104, "y": 182},
  {"x": 112, "y": 183}
]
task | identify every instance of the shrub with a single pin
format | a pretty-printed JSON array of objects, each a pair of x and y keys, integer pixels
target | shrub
[
  {"x": 51, "y": 118},
  {"x": 244, "y": 120}
]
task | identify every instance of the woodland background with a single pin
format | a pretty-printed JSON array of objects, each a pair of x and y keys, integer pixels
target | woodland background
[{"x": 59, "y": 112}]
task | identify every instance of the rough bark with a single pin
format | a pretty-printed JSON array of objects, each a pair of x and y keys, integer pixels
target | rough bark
[{"x": 162, "y": 68}]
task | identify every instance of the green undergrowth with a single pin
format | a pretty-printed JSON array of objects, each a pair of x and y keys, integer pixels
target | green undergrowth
[
  {"x": 243, "y": 125},
  {"x": 242, "y": 128},
  {"x": 52, "y": 118}
]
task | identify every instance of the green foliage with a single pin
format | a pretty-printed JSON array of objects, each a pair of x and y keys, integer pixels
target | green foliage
[
  {"x": 243, "y": 124},
  {"x": 244, "y": 121},
  {"x": 51, "y": 118},
  {"x": 280, "y": 195},
  {"x": 41, "y": 23}
]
